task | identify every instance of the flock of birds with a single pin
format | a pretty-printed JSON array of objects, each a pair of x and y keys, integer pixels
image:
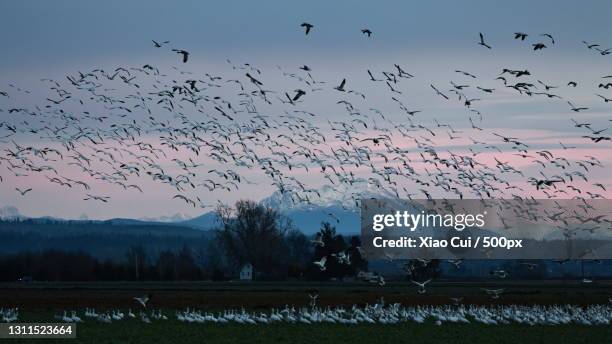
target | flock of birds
[
  {"x": 203, "y": 135},
  {"x": 378, "y": 313}
]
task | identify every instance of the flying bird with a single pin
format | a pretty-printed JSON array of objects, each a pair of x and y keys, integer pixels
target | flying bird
[
  {"x": 159, "y": 45},
  {"x": 341, "y": 86},
  {"x": 143, "y": 300},
  {"x": 552, "y": 40},
  {"x": 182, "y": 52},
  {"x": 321, "y": 263},
  {"x": 421, "y": 285},
  {"x": 520, "y": 35},
  {"x": 307, "y": 26},
  {"x": 367, "y": 32},
  {"x": 438, "y": 92},
  {"x": 253, "y": 80},
  {"x": 23, "y": 192},
  {"x": 482, "y": 42},
  {"x": 576, "y": 109}
]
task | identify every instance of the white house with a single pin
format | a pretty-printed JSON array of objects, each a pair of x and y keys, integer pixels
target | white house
[{"x": 246, "y": 272}]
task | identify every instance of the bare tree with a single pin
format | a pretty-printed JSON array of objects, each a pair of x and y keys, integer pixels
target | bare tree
[{"x": 253, "y": 233}]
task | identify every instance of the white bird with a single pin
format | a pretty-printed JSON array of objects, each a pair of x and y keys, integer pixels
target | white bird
[
  {"x": 143, "y": 300},
  {"x": 421, "y": 285},
  {"x": 321, "y": 263},
  {"x": 74, "y": 317},
  {"x": 144, "y": 318},
  {"x": 318, "y": 240},
  {"x": 313, "y": 299}
]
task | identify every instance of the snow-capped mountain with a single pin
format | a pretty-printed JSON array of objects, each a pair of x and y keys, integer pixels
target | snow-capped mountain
[
  {"x": 178, "y": 217},
  {"x": 342, "y": 196},
  {"x": 12, "y": 213},
  {"x": 334, "y": 204}
]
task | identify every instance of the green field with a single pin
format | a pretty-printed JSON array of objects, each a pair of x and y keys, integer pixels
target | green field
[
  {"x": 265, "y": 295},
  {"x": 172, "y": 331},
  {"x": 39, "y": 302}
]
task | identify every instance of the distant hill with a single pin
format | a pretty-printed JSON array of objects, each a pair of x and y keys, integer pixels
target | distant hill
[
  {"x": 334, "y": 205},
  {"x": 308, "y": 221},
  {"x": 102, "y": 239}
]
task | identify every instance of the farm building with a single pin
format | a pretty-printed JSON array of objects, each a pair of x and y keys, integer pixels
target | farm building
[{"x": 246, "y": 272}]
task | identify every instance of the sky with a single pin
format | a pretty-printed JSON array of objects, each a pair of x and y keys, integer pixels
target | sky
[{"x": 429, "y": 38}]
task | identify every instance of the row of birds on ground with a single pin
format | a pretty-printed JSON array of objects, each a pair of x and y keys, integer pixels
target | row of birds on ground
[
  {"x": 378, "y": 313},
  {"x": 133, "y": 124}
]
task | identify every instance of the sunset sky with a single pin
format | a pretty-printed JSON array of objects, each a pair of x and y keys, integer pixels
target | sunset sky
[{"x": 44, "y": 39}]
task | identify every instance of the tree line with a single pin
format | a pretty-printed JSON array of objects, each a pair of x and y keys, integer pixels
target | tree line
[{"x": 248, "y": 233}]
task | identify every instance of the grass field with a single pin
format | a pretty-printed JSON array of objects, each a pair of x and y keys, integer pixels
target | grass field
[
  {"x": 39, "y": 302},
  {"x": 41, "y": 296},
  {"x": 172, "y": 331}
]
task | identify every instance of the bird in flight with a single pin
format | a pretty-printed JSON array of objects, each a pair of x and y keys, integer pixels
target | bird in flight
[
  {"x": 466, "y": 73},
  {"x": 318, "y": 240},
  {"x": 421, "y": 285},
  {"x": 253, "y": 80},
  {"x": 438, "y": 92},
  {"x": 341, "y": 86},
  {"x": 298, "y": 93},
  {"x": 552, "y": 40},
  {"x": 576, "y": 109},
  {"x": 159, "y": 45},
  {"x": 187, "y": 200},
  {"x": 604, "y": 98},
  {"x": 182, "y": 52},
  {"x": 143, "y": 300},
  {"x": 321, "y": 263},
  {"x": 307, "y": 26},
  {"x": 590, "y": 45},
  {"x": 482, "y": 42},
  {"x": 520, "y": 35},
  {"x": 367, "y": 32},
  {"x": 23, "y": 192},
  {"x": 313, "y": 299},
  {"x": 97, "y": 198},
  {"x": 538, "y": 46}
]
